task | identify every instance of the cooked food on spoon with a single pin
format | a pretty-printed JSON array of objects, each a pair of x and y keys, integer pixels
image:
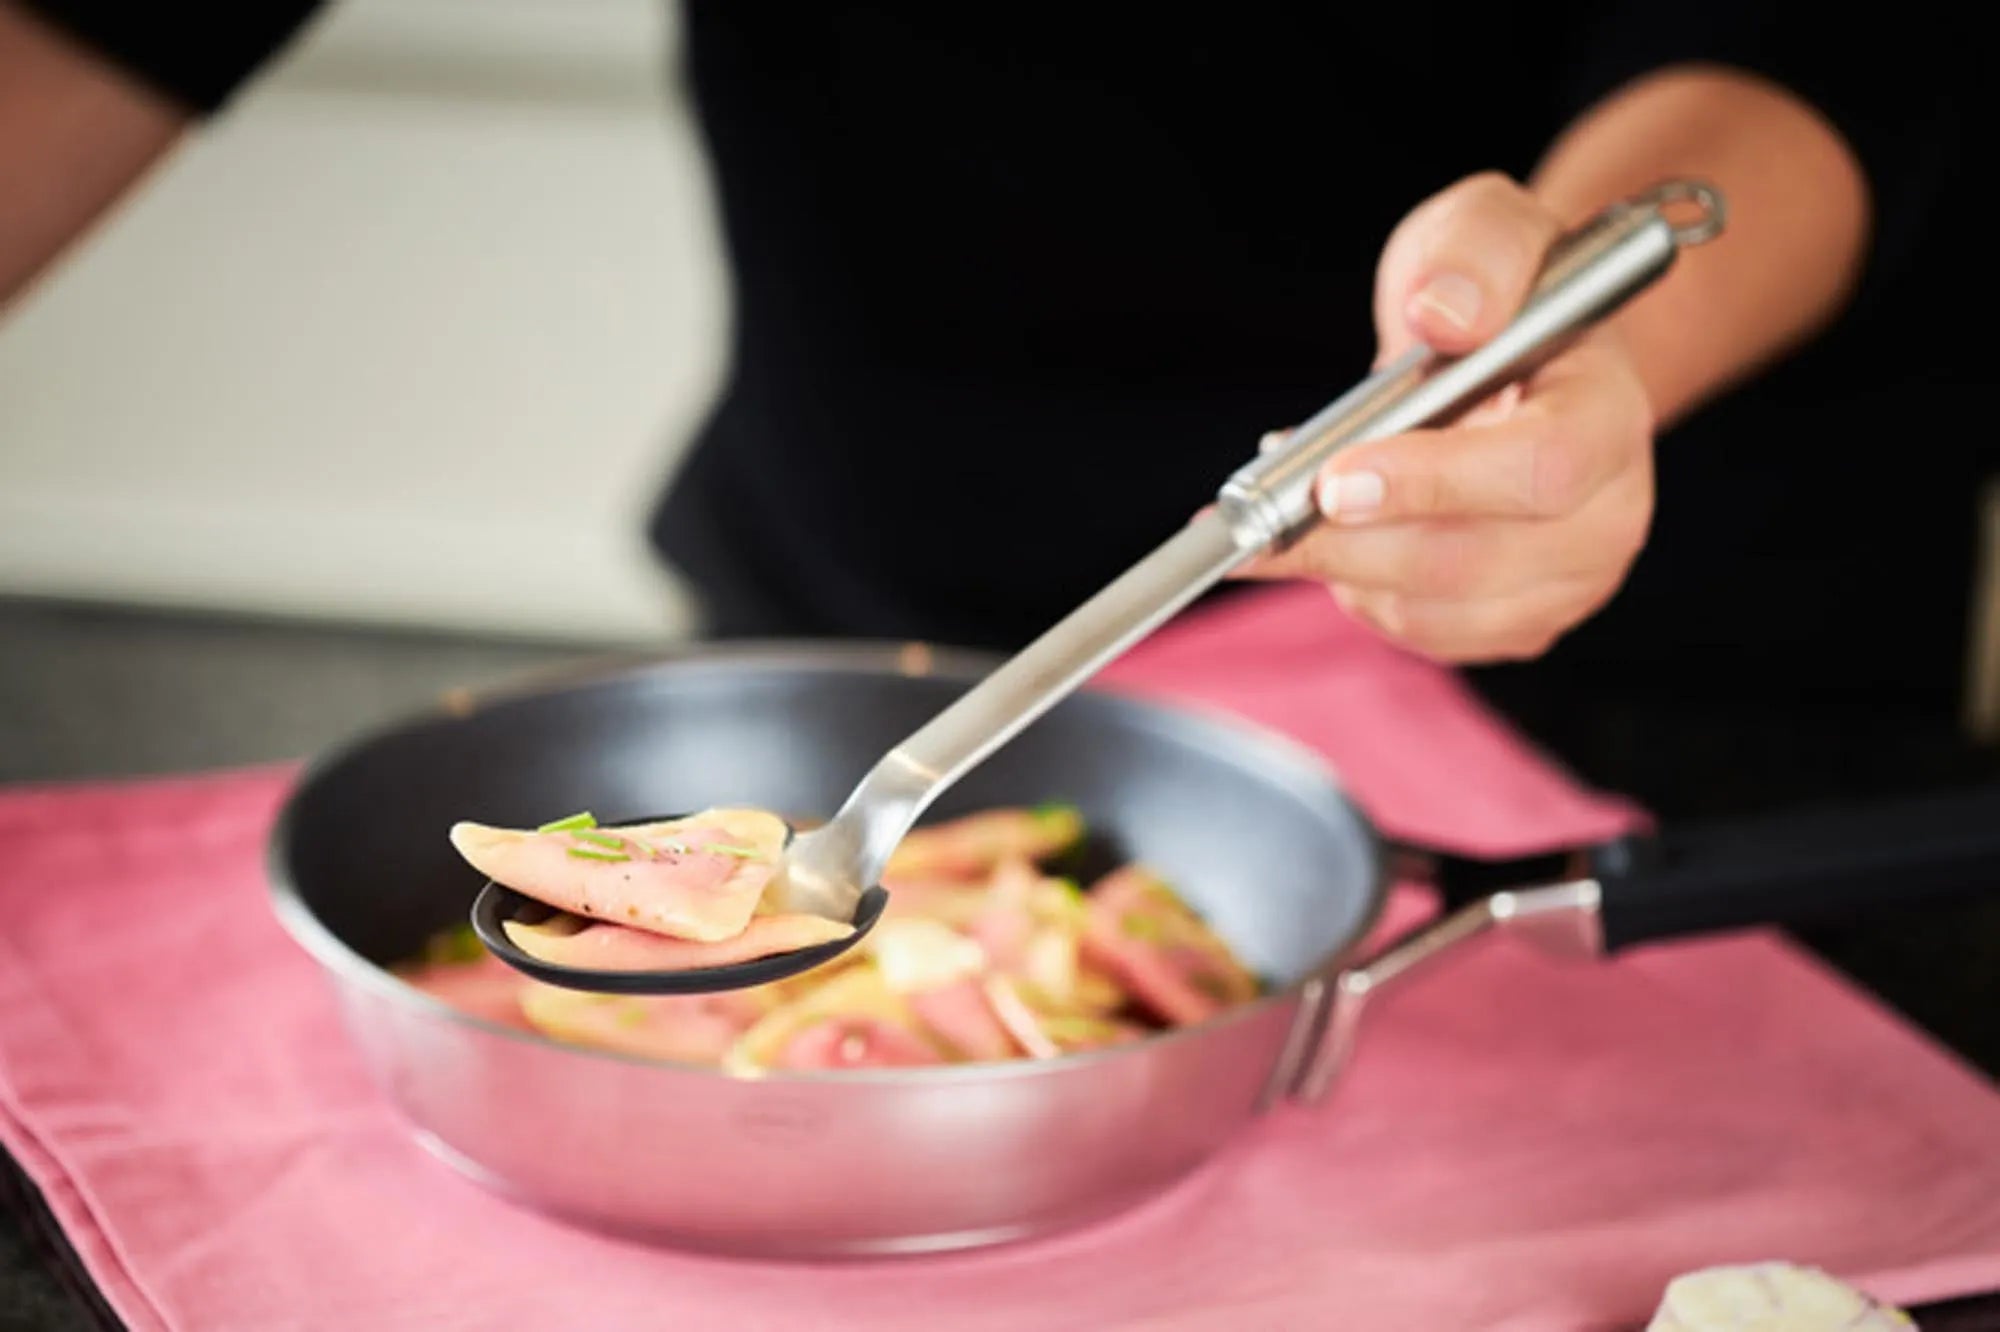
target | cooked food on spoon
[
  {"x": 697, "y": 878},
  {"x": 987, "y": 953},
  {"x": 677, "y": 895}
]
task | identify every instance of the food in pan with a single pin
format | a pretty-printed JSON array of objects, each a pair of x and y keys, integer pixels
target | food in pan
[
  {"x": 976, "y": 844},
  {"x": 456, "y": 969},
  {"x": 1770, "y": 1297},
  {"x": 1153, "y": 945},
  {"x": 985, "y": 954}
]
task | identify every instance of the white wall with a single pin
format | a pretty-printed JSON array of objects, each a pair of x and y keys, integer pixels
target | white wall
[{"x": 412, "y": 334}]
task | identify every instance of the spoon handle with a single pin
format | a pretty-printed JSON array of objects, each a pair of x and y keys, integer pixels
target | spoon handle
[{"x": 1267, "y": 504}]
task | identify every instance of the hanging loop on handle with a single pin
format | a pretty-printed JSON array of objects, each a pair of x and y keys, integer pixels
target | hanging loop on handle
[{"x": 1707, "y": 224}]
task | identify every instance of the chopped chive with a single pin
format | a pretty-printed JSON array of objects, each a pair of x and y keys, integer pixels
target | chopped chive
[
  {"x": 455, "y": 945},
  {"x": 731, "y": 849},
  {"x": 632, "y": 1014},
  {"x": 645, "y": 848},
  {"x": 1141, "y": 926},
  {"x": 570, "y": 824},
  {"x": 585, "y": 853},
  {"x": 605, "y": 840}
]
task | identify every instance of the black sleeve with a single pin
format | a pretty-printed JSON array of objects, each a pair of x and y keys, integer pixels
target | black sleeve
[
  {"x": 196, "y": 55},
  {"x": 1895, "y": 89}
]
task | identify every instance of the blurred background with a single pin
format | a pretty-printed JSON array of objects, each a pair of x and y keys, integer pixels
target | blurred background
[{"x": 430, "y": 450}]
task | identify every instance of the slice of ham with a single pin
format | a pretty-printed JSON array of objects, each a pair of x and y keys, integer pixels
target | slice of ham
[
  {"x": 1151, "y": 943},
  {"x": 1004, "y": 926},
  {"x": 697, "y": 878},
  {"x": 484, "y": 987},
  {"x": 960, "y": 1015},
  {"x": 936, "y": 970},
  {"x": 571, "y": 941},
  {"x": 971, "y": 847},
  {"x": 1012, "y": 1013},
  {"x": 688, "y": 1029}
]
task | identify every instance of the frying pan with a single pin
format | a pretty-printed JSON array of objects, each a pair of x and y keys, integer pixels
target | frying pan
[{"x": 1254, "y": 830}]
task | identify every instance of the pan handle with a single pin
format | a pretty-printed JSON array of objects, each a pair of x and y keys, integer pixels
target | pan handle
[
  {"x": 1770, "y": 870},
  {"x": 1559, "y": 918},
  {"x": 1799, "y": 867}
]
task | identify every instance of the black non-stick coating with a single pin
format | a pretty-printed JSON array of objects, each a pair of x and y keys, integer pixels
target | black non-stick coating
[{"x": 1251, "y": 829}]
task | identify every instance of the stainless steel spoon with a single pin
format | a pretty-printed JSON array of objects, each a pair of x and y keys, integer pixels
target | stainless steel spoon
[{"x": 832, "y": 871}]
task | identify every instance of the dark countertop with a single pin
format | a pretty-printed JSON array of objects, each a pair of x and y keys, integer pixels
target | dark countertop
[{"x": 90, "y": 693}]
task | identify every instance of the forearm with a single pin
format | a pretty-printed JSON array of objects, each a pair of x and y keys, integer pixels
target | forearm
[
  {"x": 74, "y": 134},
  {"x": 1798, "y": 221}
]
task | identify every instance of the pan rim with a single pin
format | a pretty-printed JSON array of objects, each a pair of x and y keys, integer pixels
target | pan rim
[{"x": 1297, "y": 761}]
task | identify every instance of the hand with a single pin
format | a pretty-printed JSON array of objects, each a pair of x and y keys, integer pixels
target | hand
[{"x": 1489, "y": 540}]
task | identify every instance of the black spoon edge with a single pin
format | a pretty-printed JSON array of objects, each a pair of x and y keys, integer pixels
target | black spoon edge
[{"x": 496, "y": 905}]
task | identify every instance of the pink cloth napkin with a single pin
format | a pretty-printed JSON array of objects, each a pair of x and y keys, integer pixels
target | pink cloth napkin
[{"x": 1520, "y": 1144}]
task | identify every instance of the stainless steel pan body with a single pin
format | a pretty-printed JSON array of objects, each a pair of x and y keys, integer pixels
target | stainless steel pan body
[{"x": 1255, "y": 831}]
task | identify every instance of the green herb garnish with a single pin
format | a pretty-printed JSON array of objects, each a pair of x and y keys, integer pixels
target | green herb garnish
[
  {"x": 455, "y": 945},
  {"x": 1141, "y": 926},
  {"x": 586, "y": 853},
  {"x": 731, "y": 849},
  {"x": 605, "y": 840},
  {"x": 570, "y": 824},
  {"x": 632, "y": 1015}
]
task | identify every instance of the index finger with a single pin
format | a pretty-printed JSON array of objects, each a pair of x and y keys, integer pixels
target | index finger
[{"x": 1582, "y": 422}]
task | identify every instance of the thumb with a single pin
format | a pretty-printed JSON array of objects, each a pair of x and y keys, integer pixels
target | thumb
[{"x": 1460, "y": 265}]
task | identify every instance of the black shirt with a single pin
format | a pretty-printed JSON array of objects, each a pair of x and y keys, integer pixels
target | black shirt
[{"x": 1016, "y": 286}]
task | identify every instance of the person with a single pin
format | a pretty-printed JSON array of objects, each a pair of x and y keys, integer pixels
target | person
[{"x": 1016, "y": 288}]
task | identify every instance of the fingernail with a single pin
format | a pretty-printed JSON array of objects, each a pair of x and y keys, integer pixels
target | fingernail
[
  {"x": 1453, "y": 297},
  {"x": 1350, "y": 496}
]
